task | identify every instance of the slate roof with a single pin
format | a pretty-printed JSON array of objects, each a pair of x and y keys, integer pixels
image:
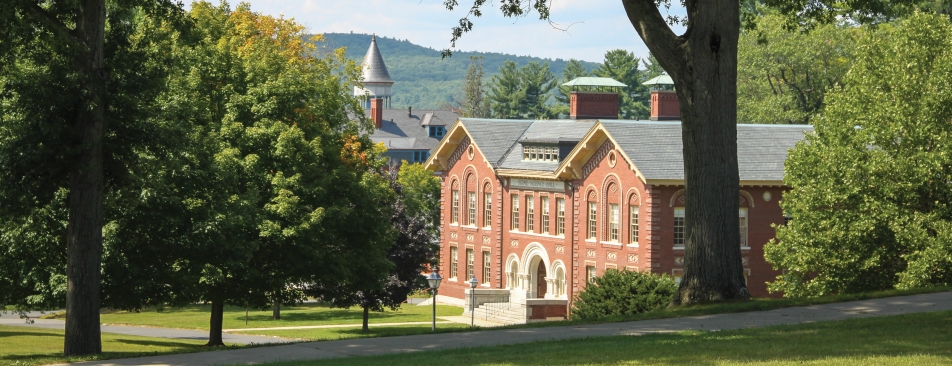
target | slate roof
[
  {"x": 495, "y": 137},
  {"x": 375, "y": 71},
  {"x": 546, "y": 131},
  {"x": 401, "y": 131},
  {"x": 656, "y": 147}
]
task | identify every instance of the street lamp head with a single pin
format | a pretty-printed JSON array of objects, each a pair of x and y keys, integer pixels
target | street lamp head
[
  {"x": 433, "y": 279},
  {"x": 473, "y": 282}
]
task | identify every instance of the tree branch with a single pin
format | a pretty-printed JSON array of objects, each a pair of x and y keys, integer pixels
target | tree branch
[
  {"x": 53, "y": 25},
  {"x": 654, "y": 31}
]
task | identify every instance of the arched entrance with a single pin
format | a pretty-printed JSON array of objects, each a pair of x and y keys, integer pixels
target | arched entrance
[{"x": 540, "y": 280}]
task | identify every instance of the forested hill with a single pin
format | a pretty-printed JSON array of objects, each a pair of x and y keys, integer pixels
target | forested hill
[{"x": 422, "y": 78}]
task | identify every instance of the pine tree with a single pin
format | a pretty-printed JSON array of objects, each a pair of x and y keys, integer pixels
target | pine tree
[
  {"x": 474, "y": 104},
  {"x": 506, "y": 92},
  {"x": 537, "y": 83},
  {"x": 574, "y": 69},
  {"x": 622, "y": 66}
]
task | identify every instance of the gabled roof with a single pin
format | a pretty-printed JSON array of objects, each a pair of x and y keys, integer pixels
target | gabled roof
[
  {"x": 545, "y": 131},
  {"x": 655, "y": 149},
  {"x": 402, "y": 131},
  {"x": 375, "y": 71},
  {"x": 495, "y": 137}
]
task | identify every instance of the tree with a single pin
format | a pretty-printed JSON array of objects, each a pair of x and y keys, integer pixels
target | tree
[
  {"x": 506, "y": 92},
  {"x": 622, "y": 66},
  {"x": 421, "y": 194},
  {"x": 783, "y": 75},
  {"x": 574, "y": 69},
  {"x": 870, "y": 188},
  {"x": 537, "y": 84},
  {"x": 411, "y": 249},
  {"x": 86, "y": 81},
  {"x": 702, "y": 62},
  {"x": 474, "y": 104}
]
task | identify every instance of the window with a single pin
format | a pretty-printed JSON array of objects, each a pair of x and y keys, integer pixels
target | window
[
  {"x": 633, "y": 224},
  {"x": 487, "y": 209},
  {"x": 515, "y": 212},
  {"x": 613, "y": 222},
  {"x": 437, "y": 131},
  {"x": 545, "y": 216},
  {"x": 679, "y": 226},
  {"x": 592, "y": 214},
  {"x": 469, "y": 264},
  {"x": 559, "y": 282},
  {"x": 454, "y": 214},
  {"x": 540, "y": 153},
  {"x": 471, "y": 208},
  {"x": 420, "y": 156},
  {"x": 743, "y": 226},
  {"x": 486, "y": 268},
  {"x": 454, "y": 259},
  {"x": 677, "y": 273},
  {"x": 590, "y": 273},
  {"x": 530, "y": 214},
  {"x": 560, "y": 220}
]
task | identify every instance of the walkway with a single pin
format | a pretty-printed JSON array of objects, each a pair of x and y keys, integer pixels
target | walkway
[
  {"x": 13, "y": 319},
  {"x": 376, "y": 346}
]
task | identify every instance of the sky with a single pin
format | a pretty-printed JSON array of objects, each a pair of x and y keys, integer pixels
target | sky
[{"x": 583, "y": 29}]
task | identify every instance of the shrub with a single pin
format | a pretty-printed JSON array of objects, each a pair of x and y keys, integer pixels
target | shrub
[{"x": 623, "y": 293}]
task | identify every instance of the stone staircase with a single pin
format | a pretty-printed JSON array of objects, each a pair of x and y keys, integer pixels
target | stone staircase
[{"x": 502, "y": 312}]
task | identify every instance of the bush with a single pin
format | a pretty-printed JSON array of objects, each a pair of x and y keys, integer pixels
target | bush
[{"x": 623, "y": 293}]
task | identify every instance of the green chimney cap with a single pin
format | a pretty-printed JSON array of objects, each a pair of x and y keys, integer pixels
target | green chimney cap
[{"x": 594, "y": 81}]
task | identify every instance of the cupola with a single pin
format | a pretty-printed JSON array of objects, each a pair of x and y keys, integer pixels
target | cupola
[
  {"x": 665, "y": 105},
  {"x": 594, "y": 98},
  {"x": 377, "y": 83}
]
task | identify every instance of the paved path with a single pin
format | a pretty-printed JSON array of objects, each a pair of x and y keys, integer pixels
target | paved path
[
  {"x": 342, "y": 326},
  {"x": 14, "y": 320},
  {"x": 376, "y": 346}
]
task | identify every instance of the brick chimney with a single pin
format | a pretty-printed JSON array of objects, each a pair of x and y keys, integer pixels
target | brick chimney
[
  {"x": 593, "y": 105},
  {"x": 665, "y": 105},
  {"x": 376, "y": 111}
]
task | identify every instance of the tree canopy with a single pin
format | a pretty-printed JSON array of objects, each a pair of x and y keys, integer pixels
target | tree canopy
[{"x": 870, "y": 189}]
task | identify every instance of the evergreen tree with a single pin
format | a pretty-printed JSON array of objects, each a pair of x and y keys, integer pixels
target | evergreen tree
[
  {"x": 622, "y": 66},
  {"x": 506, "y": 92},
  {"x": 537, "y": 83},
  {"x": 474, "y": 103}
]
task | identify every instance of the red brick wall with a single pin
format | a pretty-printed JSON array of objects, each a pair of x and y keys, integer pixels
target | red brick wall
[
  {"x": 583, "y": 105},
  {"x": 665, "y": 105},
  {"x": 547, "y": 311}
]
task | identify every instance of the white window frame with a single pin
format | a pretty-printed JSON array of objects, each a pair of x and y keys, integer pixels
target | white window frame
[
  {"x": 613, "y": 222},
  {"x": 471, "y": 209},
  {"x": 514, "y": 220},
  {"x": 454, "y": 262},
  {"x": 487, "y": 209},
  {"x": 545, "y": 215},
  {"x": 633, "y": 212},
  {"x": 530, "y": 213},
  {"x": 560, "y": 217},
  {"x": 454, "y": 210},
  {"x": 744, "y": 220},
  {"x": 592, "y": 220},
  {"x": 679, "y": 228}
]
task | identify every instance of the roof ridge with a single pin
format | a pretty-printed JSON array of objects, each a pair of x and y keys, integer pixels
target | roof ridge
[{"x": 513, "y": 145}]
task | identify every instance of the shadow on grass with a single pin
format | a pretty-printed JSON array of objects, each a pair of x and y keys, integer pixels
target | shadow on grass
[
  {"x": 156, "y": 343},
  {"x": 8, "y": 334}
]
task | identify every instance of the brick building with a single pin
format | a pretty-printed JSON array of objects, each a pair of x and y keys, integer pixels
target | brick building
[{"x": 532, "y": 208}]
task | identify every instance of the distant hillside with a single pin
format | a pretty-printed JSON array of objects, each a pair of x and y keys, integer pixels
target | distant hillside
[{"x": 422, "y": 78}]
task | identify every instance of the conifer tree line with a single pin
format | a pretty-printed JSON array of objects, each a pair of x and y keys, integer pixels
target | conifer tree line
[
  {"x": 230, "y": 161},
  {"x": 532, "y": 91}
]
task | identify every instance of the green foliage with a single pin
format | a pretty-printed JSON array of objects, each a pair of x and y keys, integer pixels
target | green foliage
[
  {"x": 506, "y": 92},
  {"x": 573, "y": 70},
  {"x": 475, "y": 104},
  {"x": 871, "y": 188},
  {"x": 623, "y": 293},
  {"x": 423, "y": 78},
  {"x": 622, "y": 66},
  {"x": 537, "y": 83},
  {"x": 784, "y": 75},
  {"x": 421, "y": 192}
]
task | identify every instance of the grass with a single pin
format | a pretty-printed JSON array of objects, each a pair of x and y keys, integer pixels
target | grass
[
  {"x": 758, "y": 304},
  {"x": 913, "y": 339},
  {"x": 38, "y": 346},
  {"x": 330, "y": 334},
  {"x": 197, "y": 316}
]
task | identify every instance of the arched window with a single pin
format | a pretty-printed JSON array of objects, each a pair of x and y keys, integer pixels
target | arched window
[
  {"x": 471, "y": 200},
  {"x": 592, "y": 215},
  {"x": 560, "y": 282},
  {"x": 633, "y": 212},
  {"x": 454, "y": 212},
  {"x": 487, "y": 205},
  {"x": 613, "y": 212},
  {"x": 679, "y": 229},
  {"x": 743, "y": 218}
]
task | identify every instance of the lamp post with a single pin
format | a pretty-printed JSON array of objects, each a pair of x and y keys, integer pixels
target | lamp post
[
  {"x": 472, "y": 301},
  {"x": 434, "y": 281}
]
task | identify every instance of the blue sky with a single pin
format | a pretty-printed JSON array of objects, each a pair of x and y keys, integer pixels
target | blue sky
[{"x": 592, "y": 27}]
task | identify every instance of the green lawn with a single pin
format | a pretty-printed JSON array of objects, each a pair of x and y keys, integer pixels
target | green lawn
[
  {"x": 37, "y": 346},
  {"x": 915, "y": 339},
  {"x": 197, "y": 316},
  {"x": 329, "y": 334}
]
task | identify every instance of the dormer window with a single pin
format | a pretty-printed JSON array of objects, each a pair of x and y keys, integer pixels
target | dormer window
[
  {"x": 540, "y": 153},
  {"x": 437, "y": 131}
]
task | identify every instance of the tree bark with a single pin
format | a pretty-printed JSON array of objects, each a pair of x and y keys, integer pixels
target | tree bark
[
  {"x": 366, "y": 327},
  {"x": 84, "y": 231},
  {"x": 276, "y": 310},
  {"x": 703, "y": 64},
  {"x": 215, "y": 324}
]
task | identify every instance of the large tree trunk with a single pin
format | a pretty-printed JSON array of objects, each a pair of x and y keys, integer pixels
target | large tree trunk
[
  {"x": 276, "y": 310},
  {"x": 366, "y": 327},
  {"x": 84, "y": 232},
  {"x": 215, "y": 324},
  {"x": 703, "y": 65}
]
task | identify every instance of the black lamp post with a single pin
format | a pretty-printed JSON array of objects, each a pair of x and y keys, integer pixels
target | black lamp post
[
  {"x": 434, "y": 281},
  {"x": 472, "y": 301}
]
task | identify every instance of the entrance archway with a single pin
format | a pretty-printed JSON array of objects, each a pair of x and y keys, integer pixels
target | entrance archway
[{"x": 540, "y": 280}]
